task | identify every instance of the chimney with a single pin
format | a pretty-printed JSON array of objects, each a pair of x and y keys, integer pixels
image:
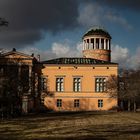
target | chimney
[
  {"x": 38, "y": 57},
  {"x": 14, "y": 50},
  {"x": 32, "y": 54}
]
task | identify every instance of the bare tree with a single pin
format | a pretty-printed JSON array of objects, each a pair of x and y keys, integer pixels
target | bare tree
[
  {"x": 15, "y": 82},
  {"x": 3, "y": 22},
  {"x": 126, "y": 87},
  {"x": 112, "y": 86},
  {"x": 133, "y": 89}
]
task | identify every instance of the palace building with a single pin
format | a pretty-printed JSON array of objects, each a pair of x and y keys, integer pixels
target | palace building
[
  {"x": 19, "y": 82},
  {"x": 79, "y": 84},
  {"x": 61, "y": 84}
]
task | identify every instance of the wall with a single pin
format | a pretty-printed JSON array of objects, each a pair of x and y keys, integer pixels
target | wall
[{"x": 88, "y": 97}]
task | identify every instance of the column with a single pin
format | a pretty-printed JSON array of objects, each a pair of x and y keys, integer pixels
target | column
[
  {"x": 19, "y": 80},
  {"x": 94, "y": 43},
  {"x": 30, "y": 76},
  {"x": 90, "y": 45},
  {"x": 104, "y": 44},
  {"x": 100, "y": 43},
  {"x": 25, "y": 97},
  {"x": 24, "y": 104},
  {"x": 108, "y": 44},
  {"x": 36, "y": 84},
  {"x": 19, "y": 71},
  {"x": 83, "y": 45}
]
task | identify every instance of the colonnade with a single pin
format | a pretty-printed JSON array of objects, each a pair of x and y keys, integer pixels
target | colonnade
[
  {"x": 96, "y": 43},
  {"x": 25, "y": 97}
]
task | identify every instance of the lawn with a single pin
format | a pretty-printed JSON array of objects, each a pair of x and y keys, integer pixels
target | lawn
[{"x": 71, "y": 126}]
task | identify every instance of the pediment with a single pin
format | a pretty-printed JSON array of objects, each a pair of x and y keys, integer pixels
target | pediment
[{"x": 16, "y": 55}]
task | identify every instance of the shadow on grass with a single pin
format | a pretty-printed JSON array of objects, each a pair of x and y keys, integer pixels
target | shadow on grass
[{"x": 30, "y": 127}]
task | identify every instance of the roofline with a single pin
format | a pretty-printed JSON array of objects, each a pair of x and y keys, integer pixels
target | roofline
[
  {"x": 106, "y": 33},
  {"x": 111, "y": 64},
  {"x": 96, "y": 35},
  {"x": 16, "y": 52},
  {"x": 99, "y": 62}
]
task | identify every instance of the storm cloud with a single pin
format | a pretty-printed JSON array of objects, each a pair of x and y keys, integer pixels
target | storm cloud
[
  {"x": 133, "y": 5},
  {"x": 126, "y": 4},
  {"x": 28, "y": 19}
]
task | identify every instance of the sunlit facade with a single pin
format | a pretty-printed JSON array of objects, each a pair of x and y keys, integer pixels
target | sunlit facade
[{"x": 79, "y": 84}]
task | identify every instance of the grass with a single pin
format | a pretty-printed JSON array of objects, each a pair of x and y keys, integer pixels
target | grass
[{"x": 71, "y": 126}]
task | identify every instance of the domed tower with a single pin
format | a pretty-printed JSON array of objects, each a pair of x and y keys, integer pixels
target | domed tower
[{"x": 97, "y": 44}]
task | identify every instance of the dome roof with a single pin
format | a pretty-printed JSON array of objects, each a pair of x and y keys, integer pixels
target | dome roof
[{"x": 97, "y": 31}]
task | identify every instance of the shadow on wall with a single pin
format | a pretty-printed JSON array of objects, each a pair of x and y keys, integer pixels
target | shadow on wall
[
  {"x": 68, "y": 105},
  {"x": 111, "y": 104}
]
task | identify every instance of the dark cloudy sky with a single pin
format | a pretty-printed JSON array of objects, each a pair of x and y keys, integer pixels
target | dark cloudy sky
[{"x": 54, "y": 28}]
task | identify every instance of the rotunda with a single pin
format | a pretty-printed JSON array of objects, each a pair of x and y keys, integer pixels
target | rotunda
[{"x": 97, "y": 44}]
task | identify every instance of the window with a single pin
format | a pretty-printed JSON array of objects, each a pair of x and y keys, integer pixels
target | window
[
  {"x": 76, "y": 84},
  {"x": 76, "y": 103},
  {"x": 60, "y": 84},
  {"x": 100, "y": 103},
  {"x": 100, "y": 84},
  {"x": 59, "y": 103},
  {"x": 43, "y": 83}
]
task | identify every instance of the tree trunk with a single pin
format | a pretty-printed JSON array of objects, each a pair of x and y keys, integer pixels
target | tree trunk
[
  {"x": 129, "y": 105},
  {"x": 135, "y": 106},
  {"x": 122, "y": 106}
]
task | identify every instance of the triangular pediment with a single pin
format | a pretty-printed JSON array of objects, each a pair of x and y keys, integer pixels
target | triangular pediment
[{"x": 16, "y": 55}]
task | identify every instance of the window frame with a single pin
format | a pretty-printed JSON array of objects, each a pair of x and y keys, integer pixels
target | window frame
[
  {"x": 100, "y": 103},
  {"x": 44, "y": 82},
  {"x": 100, "y": 85},
  {"x": 59, "y": 84},
  {"x": 59, "y": 103},
  {"x": 77, "y": 84},
  {"x": 76, "y": 103}
]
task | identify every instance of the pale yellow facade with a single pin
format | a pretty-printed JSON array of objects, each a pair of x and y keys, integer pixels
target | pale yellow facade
[
  {"x": 87, "y": 96},
  {"x": 79, "y": 84}
]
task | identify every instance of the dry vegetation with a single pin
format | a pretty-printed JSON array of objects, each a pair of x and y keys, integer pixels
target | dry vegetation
[{"x": 81, "y": 126}]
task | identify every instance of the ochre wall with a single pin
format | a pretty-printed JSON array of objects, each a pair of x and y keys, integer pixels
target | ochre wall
[
  {"x": 97, "y": 54},
  {"x": 86, "y": 104},
  {"x": 88, "y": 97}
]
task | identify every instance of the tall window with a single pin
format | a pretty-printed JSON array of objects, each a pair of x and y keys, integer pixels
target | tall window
[
  {"x": 59, "y": 103},
  {"x": 76, "y": 103},
  {"x": 43, "y": 83},
  {"x": 76, "y": 84},
  {"x": 100, "y": 103},
  {"x": 100, "y": 84},
  {"x": 60, "y": 84}
]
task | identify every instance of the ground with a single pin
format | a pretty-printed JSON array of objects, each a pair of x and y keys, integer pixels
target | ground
[{"x": 71, "y": 126}]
